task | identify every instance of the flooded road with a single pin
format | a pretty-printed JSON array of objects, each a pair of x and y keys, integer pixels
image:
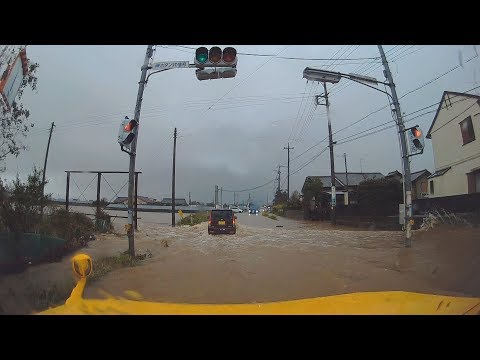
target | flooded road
[{"x": 264, "y": 262}]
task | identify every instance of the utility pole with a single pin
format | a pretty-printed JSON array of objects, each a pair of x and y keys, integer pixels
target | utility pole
[
  {"x": 248, "y": 199},
  {"x": 221, "y": 196},
  {"x": 407, "y": 181},
  {"x": 215, "y": 202},
  {"x": 173, "y": 175},
  {"x": 234, "y": 203},
  {"x": 45, "y": 168},
  {"x": 133, "y": 147},
  {"x": 332, "y": 161},
  {"x": 346, "y": 174},
  {"x": 288, "y": 170},
  {"x": 189, "y": 199},
  {"x": 278, "y": 172},
  {"x": 267, "y": 198}
]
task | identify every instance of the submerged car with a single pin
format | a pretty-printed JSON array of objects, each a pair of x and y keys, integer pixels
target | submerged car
[{"x": 222, "y": 221}]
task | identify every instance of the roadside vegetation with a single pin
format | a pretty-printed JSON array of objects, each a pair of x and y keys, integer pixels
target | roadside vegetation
[{"x": 193, "y": 219}]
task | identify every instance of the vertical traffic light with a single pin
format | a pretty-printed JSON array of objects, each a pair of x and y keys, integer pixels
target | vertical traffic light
[
  {"x": 417, "y": 142},
  {"x": 127, "y": 132},
  {"x": 223, "y": 61}
]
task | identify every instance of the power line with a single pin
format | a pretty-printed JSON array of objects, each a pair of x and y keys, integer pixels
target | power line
[
  {"x": 413, "y": 112},
  {"x": 254, "y": 188},
  {"x": 437, "y": 77},
  {"x": 295, "y": 58}
]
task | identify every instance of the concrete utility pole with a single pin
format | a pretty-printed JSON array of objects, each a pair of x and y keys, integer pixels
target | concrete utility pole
[
  {"x": 288, "y": 170},
  {"x": 215, "y": 202},
  {"x": 346, "y": 175},
  {"x": 189, "y": 199},
  {"x": 173, "y": 176},
  {"x": 332, "y": 161},
  {"x": 133, "y": 147},
  {"x": 407, "y": 181},
  {"x": 278, "y": 173},
  {"x": 221, "y": 196},
  {"x": 45, "y": 168}
]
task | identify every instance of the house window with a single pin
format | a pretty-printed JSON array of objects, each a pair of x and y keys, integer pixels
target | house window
[
  {"x": 432, "y": 190},
  {"x": 473, "y": 181},
  {"x": 466, "y": 126}
]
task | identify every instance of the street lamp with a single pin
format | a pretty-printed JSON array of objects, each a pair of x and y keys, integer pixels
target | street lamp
[
  {"x": 334, "y": 77},
  {"x": 331, "y": 77}
]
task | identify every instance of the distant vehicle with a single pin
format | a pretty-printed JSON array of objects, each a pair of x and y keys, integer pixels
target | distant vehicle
[
  {"x": 253, "y": 209},
  {"x": 222, "y": 221},
  {"x": 236, "y": 209}
]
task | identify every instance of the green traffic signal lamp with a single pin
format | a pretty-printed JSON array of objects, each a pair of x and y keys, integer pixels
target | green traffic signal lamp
[{"x": 201, "y": 55}]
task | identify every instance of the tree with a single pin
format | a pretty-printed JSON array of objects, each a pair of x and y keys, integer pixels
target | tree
[
  {"x": 281, "y": 197},
  {"x": 313, "y": 188},
  {"x": 380, "y": 196},
  {"x": 14, "y": 123},
  {"x": 20, "y": 203},
  {"x": 294, "y": 202}
]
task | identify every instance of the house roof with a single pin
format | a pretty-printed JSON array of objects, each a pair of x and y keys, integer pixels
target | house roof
[
  {"x": 415, "y": 175},
  {"x": 393, "y": 173},
  {"x": 442, "y": 102},
  {"x": 439, "y": 172},
  {"x": 354, "y": 178}
]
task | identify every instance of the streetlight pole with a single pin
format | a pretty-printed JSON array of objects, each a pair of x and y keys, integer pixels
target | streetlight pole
[
  {"x": 131, "y": 169},
  {"x": 407, "y": 180},
  {"x": 334, "y": 77}
]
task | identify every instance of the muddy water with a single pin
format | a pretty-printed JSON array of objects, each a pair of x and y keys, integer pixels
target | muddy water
[
  {"x": 270, "y": 264},
  {"x": 263, "y": 262}
]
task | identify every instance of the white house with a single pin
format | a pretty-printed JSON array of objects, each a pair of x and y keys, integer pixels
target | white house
[{"x": 455, "y": 147}]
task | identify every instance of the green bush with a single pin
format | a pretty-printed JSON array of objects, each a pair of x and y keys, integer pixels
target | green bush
[
  {"x": 76, "y": 228},
  {"x": 103, "y": 222},
  {"x": 265, "y": 213},
  {"x": 107, "y": 264},
  {"x": 194, "y": 218},
  {"x": 279, "y": 209}
]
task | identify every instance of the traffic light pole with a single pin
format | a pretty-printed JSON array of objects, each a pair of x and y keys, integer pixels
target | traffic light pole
[
  {"x": 131, "y": 170},
  {"x": 407, "y": 180}
]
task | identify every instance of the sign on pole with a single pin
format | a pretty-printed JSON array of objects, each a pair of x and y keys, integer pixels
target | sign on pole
[{"x": 165, "y": 65}]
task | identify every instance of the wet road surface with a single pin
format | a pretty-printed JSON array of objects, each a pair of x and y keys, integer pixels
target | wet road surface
[{"x": 263, "y": 262}]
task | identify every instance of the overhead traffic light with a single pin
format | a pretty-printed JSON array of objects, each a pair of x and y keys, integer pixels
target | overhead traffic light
[
  {"x": 417, "y": 142},
  {"x": 127, "y": 132},
  {"x": 215, "y": 57},
  {"x": 217, "y": 73}
]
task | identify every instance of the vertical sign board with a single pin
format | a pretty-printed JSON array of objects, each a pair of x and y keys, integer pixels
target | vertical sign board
[{"x": 12, "y": 78}]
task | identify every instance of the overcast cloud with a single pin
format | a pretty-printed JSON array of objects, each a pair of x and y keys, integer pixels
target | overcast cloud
[{"x": 231, "y": 131}]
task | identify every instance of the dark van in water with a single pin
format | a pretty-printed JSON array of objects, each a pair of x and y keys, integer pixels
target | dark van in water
[{"x": 222, "y": 221}]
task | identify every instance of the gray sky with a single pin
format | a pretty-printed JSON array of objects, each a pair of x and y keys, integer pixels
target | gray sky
[{"x": 238, "y": 142}]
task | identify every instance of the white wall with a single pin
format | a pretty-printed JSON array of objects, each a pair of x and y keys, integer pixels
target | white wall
[{"x": 449, "y": 150}]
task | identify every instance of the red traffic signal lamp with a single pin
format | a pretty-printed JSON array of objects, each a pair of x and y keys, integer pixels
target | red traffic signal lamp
[
  {"x": 127, "y": 131},
  {"x": 215, "y": 57},
  {"x": 417, "y": 140}
]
